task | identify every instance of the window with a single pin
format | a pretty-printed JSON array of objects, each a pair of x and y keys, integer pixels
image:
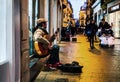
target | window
[
  {"x": 2, "y": 31},
  {"x": 30, "y": 27},
  {"x": 33, "y": 8},
  {"x": 6, "y": 31}
]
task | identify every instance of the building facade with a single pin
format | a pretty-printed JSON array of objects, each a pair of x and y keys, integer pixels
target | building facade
[
  {"x": 17, "y": 21},
  {"x": 82, "y": 15},
  {"x": 114, "y": 16},
  {"x": 97, "y": 11}
]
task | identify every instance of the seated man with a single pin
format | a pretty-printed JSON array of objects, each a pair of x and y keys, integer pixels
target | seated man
[{"x": 42, "y": 44}]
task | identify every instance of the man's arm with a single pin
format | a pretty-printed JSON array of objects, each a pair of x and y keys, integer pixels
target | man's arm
[
  {"x": 100, "y": 25},
  {"x": 39, "y": 36}
]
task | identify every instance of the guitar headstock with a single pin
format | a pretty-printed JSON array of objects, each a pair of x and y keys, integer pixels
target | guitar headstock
[
  {"x": 57, "y": 30},
  {"x": 54, "y": 35}
]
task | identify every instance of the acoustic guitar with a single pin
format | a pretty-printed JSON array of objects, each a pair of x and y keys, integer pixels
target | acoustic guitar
[{"x": 40, "y": 50}]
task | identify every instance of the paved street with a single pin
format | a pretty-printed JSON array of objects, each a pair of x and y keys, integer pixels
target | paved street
[{"x": 100, "y": 65}]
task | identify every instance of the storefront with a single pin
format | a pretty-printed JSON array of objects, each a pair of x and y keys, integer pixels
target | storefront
[
  {"x": 104, "y": 14},
  {"x": 114, "y": 18},
  {"x": 97, "y": 15}
]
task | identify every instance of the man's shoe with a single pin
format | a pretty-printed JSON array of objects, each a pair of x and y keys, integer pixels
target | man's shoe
[
  {"x": 56, "y": 65},
  {"x": 48, "y": 65},
  {"x": 53, "y": 69}
]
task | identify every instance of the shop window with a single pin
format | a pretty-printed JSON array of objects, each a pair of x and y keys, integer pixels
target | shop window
[
  {"x": 2, "y": 31},
  {"x": 6, "y": 31},
  {"x": 30, "y": 26},
  {"x": 33, "y": 16}
]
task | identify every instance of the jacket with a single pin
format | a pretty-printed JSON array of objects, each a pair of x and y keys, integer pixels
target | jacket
[{"x": 40, "y": 36}]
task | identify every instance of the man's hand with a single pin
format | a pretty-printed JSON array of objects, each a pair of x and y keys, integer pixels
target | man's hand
[{"x": 50, "y": 47}]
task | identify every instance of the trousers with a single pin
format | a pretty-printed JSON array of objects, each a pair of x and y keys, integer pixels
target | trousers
[{"x": 54, "y": 55}]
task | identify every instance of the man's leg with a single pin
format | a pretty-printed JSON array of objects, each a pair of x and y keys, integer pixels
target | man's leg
[
  {"x": 54, "y": 55},
  {"x": 91, "y": 42}
]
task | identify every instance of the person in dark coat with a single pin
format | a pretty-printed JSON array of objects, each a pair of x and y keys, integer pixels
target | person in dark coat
[
  {"x": 104, "y": 25},
  {"x": 96, "y": 29},
  {"x": 86, "y": 30},
  {"x": 92, "y": 27}
]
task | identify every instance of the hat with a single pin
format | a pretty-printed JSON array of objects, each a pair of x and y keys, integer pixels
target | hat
[{"x": 41, "y": 20}]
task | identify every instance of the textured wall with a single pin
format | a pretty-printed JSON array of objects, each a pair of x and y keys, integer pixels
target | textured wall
[{"x": 25, "y": 71}]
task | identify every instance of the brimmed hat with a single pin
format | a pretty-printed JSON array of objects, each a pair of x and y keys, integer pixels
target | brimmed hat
[{"x": 41, "y": 20}]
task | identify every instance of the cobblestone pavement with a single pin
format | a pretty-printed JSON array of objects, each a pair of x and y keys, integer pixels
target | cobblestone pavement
[{"x": 100, "y": 65}]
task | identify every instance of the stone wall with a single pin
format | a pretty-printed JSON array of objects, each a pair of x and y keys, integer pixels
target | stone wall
[{"x": 25, "y": 71}]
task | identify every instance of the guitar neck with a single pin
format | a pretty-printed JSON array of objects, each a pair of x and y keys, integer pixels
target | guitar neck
[{"x": 52, "y": 38}]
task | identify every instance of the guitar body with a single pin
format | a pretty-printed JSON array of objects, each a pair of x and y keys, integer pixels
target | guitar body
[{"x": 40, "y": 50}]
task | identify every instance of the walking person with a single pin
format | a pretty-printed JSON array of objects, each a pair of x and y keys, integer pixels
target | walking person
[
  {"x": 44, "y": 47},
  {"x": 86, "y": 30},
  {"x": 96, "y": 30},
  {"x": 92, "y": 32}
]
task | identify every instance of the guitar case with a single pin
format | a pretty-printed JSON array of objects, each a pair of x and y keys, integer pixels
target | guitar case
[{"x": 74, "y": 67}]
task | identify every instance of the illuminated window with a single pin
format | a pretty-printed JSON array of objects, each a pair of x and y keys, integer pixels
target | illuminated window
[
  {"x": 6, "y": 31},
  {"x": 2, "y": 30},
  {"x": 33, "y": 8}
]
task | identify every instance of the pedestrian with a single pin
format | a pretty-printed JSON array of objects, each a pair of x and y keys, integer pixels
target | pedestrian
[
  {"x": 96, "y": 30},
  {"x": 77, "y": 25},
  {"x": 91, "y": 33},
  {"x": 73, "y": 30},
  {"x": 104, "y": 25},
  {"x": 86, "y": 30},
  {"x": 42, "y": 37},
  {"x": 110, "y": 31}
]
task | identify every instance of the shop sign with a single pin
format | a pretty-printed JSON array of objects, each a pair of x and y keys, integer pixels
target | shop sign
[{"x": 114, "y": 8}]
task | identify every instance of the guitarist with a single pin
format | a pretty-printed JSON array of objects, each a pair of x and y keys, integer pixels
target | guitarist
[{"x": 41, "y": 35}]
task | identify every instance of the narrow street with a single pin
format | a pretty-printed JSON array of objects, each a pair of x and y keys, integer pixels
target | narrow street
[
  {"x": 29, "y": 27},
  {"x": 99, "y": 65}
]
